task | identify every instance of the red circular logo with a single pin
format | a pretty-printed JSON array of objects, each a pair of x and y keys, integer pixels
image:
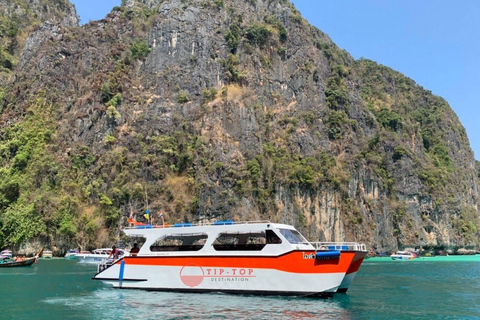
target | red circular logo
[{"x": 192, "y": 275}]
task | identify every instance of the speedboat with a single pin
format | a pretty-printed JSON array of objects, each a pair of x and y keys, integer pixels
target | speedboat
[
  {"x": 96, "y": 256},
  {"x": 71, "y": 254},
  {"x": 403, "y": 256},
  {"x": 234, "y": 257}
]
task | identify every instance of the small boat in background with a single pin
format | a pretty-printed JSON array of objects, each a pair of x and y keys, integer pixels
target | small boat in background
[
  {"x": 20, "y": 262},
  {"x": 403, "y": 256},
  {"x": 47, "y": 254},
  {"x": 71, "y": 254},
  {"x": 6, "y": 254},
  {"x": 97, "y": 255}
]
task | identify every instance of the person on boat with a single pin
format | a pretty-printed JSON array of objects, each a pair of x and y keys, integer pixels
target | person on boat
[
  {"x": 135, "y": 250},
  {"x": 114, "y": 253}
]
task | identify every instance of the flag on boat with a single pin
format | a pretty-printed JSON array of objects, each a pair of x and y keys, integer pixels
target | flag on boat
[
  {"x": 161, "y": 217},
  {"x": 147, "y": 214}
]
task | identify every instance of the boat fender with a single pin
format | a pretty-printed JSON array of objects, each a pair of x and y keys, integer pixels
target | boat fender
[{"x": 325, "y": 255}]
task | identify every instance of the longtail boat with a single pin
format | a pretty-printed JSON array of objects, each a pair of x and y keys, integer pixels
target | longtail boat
[{"x": 22, "y": 263}]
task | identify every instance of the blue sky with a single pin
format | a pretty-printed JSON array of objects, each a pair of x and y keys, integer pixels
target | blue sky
[
  {"x": 94, "y": 9},
  {"x": 434, "y": 42}
]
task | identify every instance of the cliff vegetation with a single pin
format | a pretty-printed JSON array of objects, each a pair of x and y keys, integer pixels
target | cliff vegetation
[{"x": 218, "y": 109}]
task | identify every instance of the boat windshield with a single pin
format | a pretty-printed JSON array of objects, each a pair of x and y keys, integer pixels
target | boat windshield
[{"x": 293, "y": 236}]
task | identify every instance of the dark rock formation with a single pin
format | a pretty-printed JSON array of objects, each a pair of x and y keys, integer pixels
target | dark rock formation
[{"x": 225, "y": 109}]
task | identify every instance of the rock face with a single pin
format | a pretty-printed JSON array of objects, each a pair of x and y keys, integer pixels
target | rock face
[{"x": 224, "y": 110}]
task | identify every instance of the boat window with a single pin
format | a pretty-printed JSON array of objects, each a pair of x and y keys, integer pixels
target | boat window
[
  {"x": 246, "y": 241},
  {"x": 293, "y": 236},
  {"x": 180, "y": 242},
  {"x": 272, "y": 237}
]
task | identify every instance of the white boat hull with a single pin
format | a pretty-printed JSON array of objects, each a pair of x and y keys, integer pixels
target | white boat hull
[
  {"x": 346, "y": 282},
  {"x": 97, "y": 256},
  {"x": 70, "y": 255},
  {"x": 91, "y": 258},
  {"x": 254, "y": 258},
  {"x": 195, "y": 278},
  {"x": 402, "y": 258}
]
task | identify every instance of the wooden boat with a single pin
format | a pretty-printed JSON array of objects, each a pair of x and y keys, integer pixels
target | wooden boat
[{"x": 22, "y": 263}]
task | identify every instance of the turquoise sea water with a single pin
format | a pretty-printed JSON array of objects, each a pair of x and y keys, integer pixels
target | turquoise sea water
[{"x": 383, "y": 289}]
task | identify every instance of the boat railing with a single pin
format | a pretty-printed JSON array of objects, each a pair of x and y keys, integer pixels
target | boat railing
[
  {"x": 189, "y": 224},
  {"x": 345, "y": 246},
  {"x": 107, "y": 263}
]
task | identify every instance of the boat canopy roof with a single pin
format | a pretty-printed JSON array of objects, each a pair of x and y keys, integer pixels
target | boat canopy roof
[
  {"x": 228, "y": 237},
  {"x": 145, "y": 229}
]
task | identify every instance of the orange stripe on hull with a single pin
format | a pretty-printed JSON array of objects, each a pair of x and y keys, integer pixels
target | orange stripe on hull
[
  {"x": 357, "y": 261},
  {"x": 295, "y": 262}
]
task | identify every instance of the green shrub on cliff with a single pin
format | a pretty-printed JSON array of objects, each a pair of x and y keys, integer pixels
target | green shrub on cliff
[{"x": 140, "y": 49}]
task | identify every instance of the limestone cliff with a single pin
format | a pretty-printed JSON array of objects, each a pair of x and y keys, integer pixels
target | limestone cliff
[{"x": 218, "y": 109}]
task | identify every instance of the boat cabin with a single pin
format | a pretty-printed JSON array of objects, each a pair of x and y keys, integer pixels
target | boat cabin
[
  {"x": 228, "y": 237},
  {"x": 219, "y": 238}
]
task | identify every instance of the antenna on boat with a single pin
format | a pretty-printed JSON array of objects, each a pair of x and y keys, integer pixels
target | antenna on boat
[
  {"x": 130, "y": 216},
  {"x": 162, "y": 217}
]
